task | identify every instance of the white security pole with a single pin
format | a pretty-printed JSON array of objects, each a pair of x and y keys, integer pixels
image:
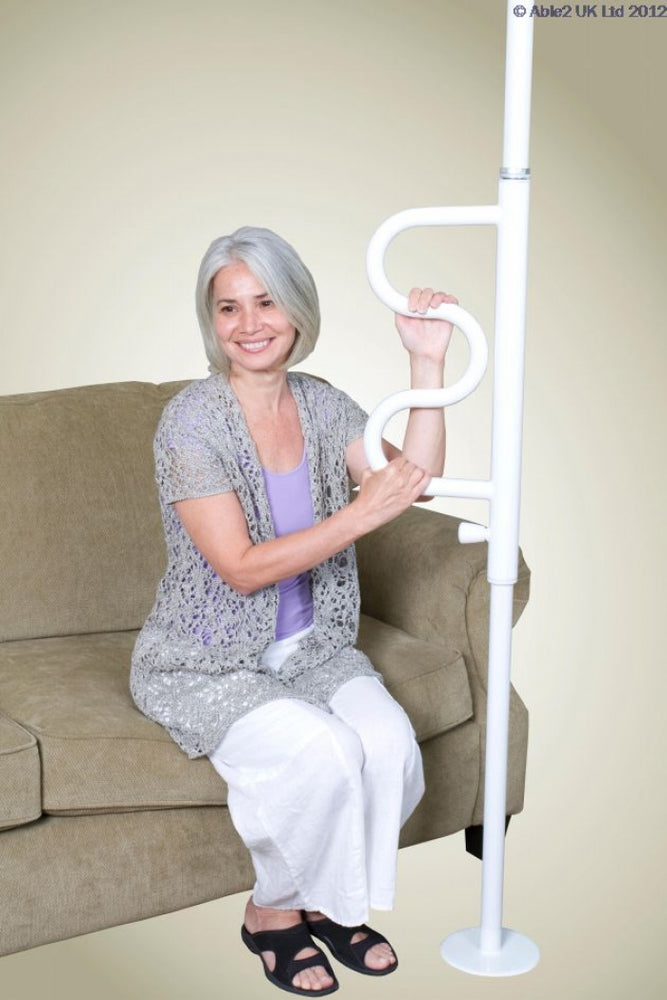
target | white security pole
[{"x": 490, "y": 949}]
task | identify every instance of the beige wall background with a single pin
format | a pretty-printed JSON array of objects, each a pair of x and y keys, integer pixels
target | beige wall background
[{"x": 134, "y": 134}]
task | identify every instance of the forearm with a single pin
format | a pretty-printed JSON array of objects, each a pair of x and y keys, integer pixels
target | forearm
[
  {"x": 425, "y": 437},
  {"x": 281, "y": 558},
  {"x": 217, "y": 527}
]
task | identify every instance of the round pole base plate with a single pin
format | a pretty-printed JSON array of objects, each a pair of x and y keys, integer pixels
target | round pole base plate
[{"x": 517, "y": 953}]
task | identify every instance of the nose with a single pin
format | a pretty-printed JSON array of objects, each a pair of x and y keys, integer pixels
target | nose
[{"x": 251, "y": 320}]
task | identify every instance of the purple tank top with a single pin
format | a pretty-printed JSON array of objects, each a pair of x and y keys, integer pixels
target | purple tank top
[{"x": 292, "y": 510}]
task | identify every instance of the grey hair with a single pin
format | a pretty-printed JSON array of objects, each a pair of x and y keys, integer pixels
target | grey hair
[{"x": 285, "y": 278}]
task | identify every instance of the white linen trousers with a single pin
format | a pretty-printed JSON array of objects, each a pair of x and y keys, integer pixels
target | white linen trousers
[{"x": 319, "y": 799}]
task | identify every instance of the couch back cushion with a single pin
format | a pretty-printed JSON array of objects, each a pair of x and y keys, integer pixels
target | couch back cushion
[{"x": 81, "y": 541}]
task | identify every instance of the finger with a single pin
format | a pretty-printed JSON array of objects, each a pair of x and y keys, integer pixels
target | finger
[
  {"x": 417, "y": 485},
  {"x": 411, "y": 475},
  {"x": 423, "y": 480},
  {"x": 440, "y": 297},
  {"x": 392, "y": 472},
  {"x": 413, "y": 299},
  {"x": 425, "y": 299},
  {"x": 401, "y": 471}
]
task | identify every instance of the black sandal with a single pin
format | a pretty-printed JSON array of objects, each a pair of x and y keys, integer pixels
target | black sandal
[
  {"x": 285, "y": 944},
  {"x": 337, "y": 939}
]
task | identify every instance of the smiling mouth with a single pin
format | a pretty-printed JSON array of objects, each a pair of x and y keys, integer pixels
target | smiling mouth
[{"x": 254, "y": 347}]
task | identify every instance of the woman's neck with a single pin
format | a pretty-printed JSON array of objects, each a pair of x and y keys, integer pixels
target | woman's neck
[{"x": 260, "y": 392}]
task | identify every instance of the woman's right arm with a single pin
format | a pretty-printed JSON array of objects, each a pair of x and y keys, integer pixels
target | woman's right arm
[{"x": 217, "y": 526}]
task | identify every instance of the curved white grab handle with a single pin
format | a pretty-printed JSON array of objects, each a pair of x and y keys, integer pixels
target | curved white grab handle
[{"x": 455, "y": 216}]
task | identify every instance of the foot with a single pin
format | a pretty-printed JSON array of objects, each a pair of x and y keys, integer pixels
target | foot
[
  {"x": 263, "y": 918},
  {"x": 380, "y": 956}
]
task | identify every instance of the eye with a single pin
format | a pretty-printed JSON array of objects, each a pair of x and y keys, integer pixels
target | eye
[
  {"x": 226, "y": 309},
  {"x": 267, "y": 302}
]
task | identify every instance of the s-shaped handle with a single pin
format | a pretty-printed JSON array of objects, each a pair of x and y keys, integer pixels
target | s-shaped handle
[{"x": 408, "y": 219}]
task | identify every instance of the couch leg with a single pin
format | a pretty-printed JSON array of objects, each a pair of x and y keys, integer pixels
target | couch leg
[{"x": 475, "y": 838}]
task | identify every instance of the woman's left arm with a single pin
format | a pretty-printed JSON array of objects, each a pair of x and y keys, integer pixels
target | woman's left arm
[{"x": 426, "y": 341}]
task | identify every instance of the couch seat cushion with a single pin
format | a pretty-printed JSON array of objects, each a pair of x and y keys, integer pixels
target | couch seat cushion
[
  {"x": 20, "y": 780},
  {"x": 99, "y": 753}
]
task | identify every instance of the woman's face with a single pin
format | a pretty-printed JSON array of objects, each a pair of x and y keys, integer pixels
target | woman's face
[{"x": 252, "y": 331}]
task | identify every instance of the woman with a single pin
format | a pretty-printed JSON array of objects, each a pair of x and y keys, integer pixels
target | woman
[{"x": 248, "y": 654}]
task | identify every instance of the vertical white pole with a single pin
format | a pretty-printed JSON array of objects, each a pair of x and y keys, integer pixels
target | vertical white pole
[
  {"x": 518, "y": 71},
  {"x": 504, "y": 532},
  {"x": 492, "y": 949},
  {"x": 493, "y": 865}
]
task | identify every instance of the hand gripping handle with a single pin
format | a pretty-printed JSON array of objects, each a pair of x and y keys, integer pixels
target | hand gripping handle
[{"x": 459, "y": 215}]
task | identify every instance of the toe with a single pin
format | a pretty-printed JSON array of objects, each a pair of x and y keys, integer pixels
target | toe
[
  {"x": 380, "y": 956},
  {"x": 316, "y": 978}
]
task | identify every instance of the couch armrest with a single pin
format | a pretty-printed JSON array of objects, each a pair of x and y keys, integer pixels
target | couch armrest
[{"x": 414, "y": 574}]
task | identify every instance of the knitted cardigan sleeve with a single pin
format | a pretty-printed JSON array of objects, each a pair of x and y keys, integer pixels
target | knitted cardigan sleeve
[
  {"x": 189, "y": 462},
  {"x": 354, "y": 417}
]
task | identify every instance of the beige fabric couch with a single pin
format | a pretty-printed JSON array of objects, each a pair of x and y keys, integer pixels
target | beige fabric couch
[{"x": 103, "y": 819}]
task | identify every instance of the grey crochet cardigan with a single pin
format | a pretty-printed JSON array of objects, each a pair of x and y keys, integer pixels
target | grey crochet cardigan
[{"x": 196, "y": 662}]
